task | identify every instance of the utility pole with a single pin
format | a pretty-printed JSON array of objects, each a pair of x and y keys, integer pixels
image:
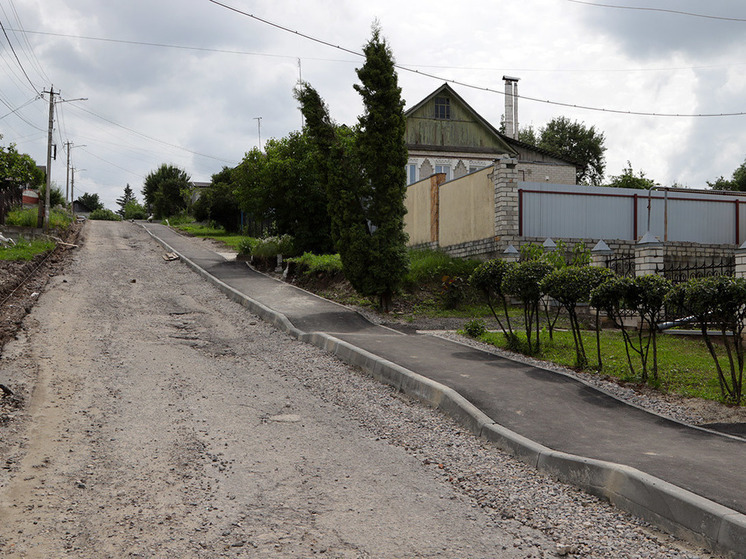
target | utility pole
[
  {"x": 49, "y": 162},
  {"x": 72, "y": 196},
  {"x": 67, "y": 179},
  {"x": 259, "y": 126},
  {"x": 71, "y": 200}
]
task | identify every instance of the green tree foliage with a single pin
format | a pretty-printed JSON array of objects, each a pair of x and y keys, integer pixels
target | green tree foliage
[
  {"x": 379, "y": 262},
  {"x": 363, "y": 169},
  {"x": 524, "y": 281},
  {"x": 737, "y": 181},
  {"x": 102, "y": 214},
  {"x": 91, "y": 201},
  {"x": 295, "y": 193},
  {"x": 487, "y": 278},
  {"x": 17, "y": 171},
  {"x": 247, "y": 179},
  {"x": 56, "y": 198},
  {"x": 718, "y": 303},
  {"x": 218, "y": 203},
  {"x": 643, "y": 296},
  {"x": 575, "y": 142},
  {"x": 167, "y": 191},
  {"x": 134, "y": 210},
  {"x": 628, "y": 179},
  {"x": 126, "y": 198},
  {"x": 570, "y": 286}
]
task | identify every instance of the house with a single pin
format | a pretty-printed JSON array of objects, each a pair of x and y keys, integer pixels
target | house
[{"x": 446, "y": 135}]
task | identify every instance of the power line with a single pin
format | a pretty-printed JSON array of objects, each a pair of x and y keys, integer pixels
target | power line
[
  {"x": 33, "y": 58},
  {"x": 19, "y": 108},
  {"x": 437, "y": 66},
  {"x": 112, "y": 164},
  {"x": 472, "y": 86},
  {"x": 153, "y": 139},
  {"x": 18, "y": 59},
  {"x": 640, "y": 8},
  {"x": 160, "y": 45}
]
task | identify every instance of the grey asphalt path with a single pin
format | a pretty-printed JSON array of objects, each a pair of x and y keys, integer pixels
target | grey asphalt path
[{"x": 551, "y": 409}]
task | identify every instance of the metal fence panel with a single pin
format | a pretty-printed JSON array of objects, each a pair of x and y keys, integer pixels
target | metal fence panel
[{"x": 566, "y": 211}]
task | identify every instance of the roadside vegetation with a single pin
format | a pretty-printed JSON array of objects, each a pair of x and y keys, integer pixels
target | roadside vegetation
[
  {"x": 474, "y": 293},
  {"x": 28, "y": 217},
  {"x": 26, "y": 250}
]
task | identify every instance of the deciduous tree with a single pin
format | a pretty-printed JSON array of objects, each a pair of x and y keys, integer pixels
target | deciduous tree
[
  {"x": 167, "y": 190},
  {"x": 576, "y": 142}
]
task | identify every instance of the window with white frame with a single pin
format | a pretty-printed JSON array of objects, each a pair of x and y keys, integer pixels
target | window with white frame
[
  {"x": 411, "y": 173},
  {"x": 444, "y": 169}
]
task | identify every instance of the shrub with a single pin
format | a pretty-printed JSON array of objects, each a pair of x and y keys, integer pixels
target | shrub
[
  {"x": 310, "y": 264},
  {"x": 134, "y": 210},
  {"x": 523, "y": 281},
  {"x": 58, "y": 219},
  {"x": 430, "y": 266},
  {"x": 487, "y": 278},
  {"x": 272, "y": 246},
  {"x": 718, "y": 302},
  {"x": 570, "y": 286},
  {"x": 104, "y": 215},
  {"x": 246, "y": 246},
  {"x": 475, "y": 328}
]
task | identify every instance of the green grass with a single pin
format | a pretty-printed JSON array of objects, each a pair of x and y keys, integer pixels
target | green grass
[
  {"x": 25, "y": 250},
  {"x": 684, "y": 364},
  {"x": 311, "y": 264},
  {"x": 432, "y": 265},
  {"x": 219, "y": 234},
  {"x": 27, "y": 217}
]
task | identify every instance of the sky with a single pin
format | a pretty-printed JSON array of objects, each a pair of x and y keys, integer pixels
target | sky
[{"x": 198, "y": 84}]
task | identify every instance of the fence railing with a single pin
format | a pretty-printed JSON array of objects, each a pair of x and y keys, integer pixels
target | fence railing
[{"x": 679, "y": 273}]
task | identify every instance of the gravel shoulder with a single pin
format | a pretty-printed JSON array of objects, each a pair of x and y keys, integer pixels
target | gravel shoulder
[{"x": 159, "y": 419}]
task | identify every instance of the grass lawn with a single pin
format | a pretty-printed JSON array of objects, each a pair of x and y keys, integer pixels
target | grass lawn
[
  {"x": 685, "y": 366},
  {"x": 217, "y": 234},
  {"x": 26, "y": 250}
]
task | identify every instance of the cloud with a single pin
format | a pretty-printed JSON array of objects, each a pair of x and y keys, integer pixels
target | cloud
[{"x": 647, "y": 34}]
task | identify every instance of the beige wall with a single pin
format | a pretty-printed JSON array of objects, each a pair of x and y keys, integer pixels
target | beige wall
[
  {"x": 538, "y": 172},
  {"x": 417, "y": 218},
  {"x": 467, "y": 209}
]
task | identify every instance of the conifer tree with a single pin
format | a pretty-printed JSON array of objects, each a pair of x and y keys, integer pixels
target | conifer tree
[
  {"x": 379, "y": 260},
  {"x": 364, "y": 170}
]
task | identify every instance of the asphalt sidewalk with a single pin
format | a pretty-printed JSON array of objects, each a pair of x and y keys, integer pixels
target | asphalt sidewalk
[{"x": 687, "y": 480}]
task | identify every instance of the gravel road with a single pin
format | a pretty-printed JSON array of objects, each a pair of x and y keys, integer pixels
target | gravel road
[{"x": 162, "y": 420}]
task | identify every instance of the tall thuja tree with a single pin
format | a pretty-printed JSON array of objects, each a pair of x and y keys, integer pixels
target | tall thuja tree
[
  {"x": 337, "y": 165},
  {"x": 376, "y": 261}
]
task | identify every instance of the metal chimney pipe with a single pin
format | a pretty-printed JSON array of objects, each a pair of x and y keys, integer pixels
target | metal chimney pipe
[{"x": 511, "y": 106}]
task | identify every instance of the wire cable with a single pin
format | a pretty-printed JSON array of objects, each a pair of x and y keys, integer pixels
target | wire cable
[
  {"x": 153, "y": 139},
  {"x": 640, "y": 8},
  {"x": 36, "y": 89},
  {"x": 482, "y": 88}
]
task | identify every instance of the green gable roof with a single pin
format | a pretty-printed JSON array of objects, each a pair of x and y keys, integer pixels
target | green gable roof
[{"x": 463, "y": 129}]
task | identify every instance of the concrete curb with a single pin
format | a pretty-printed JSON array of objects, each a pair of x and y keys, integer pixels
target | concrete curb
[{"x": 663, "y": 504}]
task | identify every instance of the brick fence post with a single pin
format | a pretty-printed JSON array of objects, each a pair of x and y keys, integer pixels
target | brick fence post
[
  {"x": 600, "y": 253},
  {"x": 505, "y": 180},
  {"x": 648, "y": 256},
  {"x": 741, "y": 261},
  {"x": 511, "y": 254}
]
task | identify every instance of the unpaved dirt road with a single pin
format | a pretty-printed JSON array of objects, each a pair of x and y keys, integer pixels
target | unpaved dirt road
[{"x": 162, "y": 420}]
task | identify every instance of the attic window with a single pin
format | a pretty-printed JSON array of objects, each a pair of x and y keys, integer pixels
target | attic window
[{"x": 443, "y": 108}]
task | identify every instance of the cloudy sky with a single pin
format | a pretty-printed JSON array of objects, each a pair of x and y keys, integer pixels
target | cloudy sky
[{"x": 185, "y": 81}]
